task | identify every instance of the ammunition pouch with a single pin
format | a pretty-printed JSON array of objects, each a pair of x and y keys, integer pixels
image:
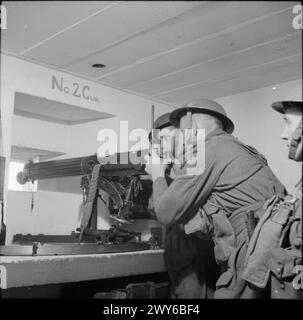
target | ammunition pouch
[
  {"x": 190, "y": 264},
  {"x": 178, "y": 254},
  {"x": 231, "y": 233},
  {"x": 274, "y": 249}
]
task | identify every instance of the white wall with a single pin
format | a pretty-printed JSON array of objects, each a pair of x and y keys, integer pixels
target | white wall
[
  {"x": 39, "y": 134},
  {"x": 256, "y": 123},
  {"x": 53, "y": 213}
]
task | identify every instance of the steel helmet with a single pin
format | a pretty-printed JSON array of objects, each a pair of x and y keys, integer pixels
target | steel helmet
[
  {"x": 205, "y": 106},
  {"x": 281, "y": 106},
  {"x": 161, "y": 122}
]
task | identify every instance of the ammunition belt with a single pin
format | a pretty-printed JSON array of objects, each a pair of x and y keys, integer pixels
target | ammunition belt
[
  {"x": 88, "y": 207},
  {"x": 93, "y": 185}
]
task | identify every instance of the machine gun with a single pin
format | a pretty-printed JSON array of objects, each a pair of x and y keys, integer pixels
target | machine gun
[{"x": 122, "y": 181}]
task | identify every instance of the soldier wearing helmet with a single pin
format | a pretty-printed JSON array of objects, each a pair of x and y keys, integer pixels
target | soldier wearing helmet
[
  {"x": 222, "y": 198},
  {"x": 292, "y": 113},
  {"x": 292, "y": 133},
  {"x": 189, "y": 260},
  {"x": 274, "y": 254}
]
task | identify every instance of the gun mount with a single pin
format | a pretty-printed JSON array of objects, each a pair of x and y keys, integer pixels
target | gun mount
[{"x": 128, "y": 193}]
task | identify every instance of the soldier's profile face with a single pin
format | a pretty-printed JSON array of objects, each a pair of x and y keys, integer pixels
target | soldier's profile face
[
  {"x": 166, "y": 136},
  {"x": 292, "y": 118},
  {"x": 163, "y": 134}
]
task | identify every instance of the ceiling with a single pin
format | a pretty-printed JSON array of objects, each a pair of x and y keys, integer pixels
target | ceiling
[
  {"x": 167, "y": 51},
  {"x": 53, "y": 111}
]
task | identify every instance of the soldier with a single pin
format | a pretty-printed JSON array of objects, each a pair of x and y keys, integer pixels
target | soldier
[
  {"x": 228, "y": 192},
  {"x": 189, "y": 260},
  {"x": 292, "y": 133},
  {"x": 275, "y": 251}
]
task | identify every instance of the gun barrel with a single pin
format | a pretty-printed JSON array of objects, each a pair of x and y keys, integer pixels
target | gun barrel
[
  {"x": 80, "y": 166},
  {"x": 57, "y": 168}
]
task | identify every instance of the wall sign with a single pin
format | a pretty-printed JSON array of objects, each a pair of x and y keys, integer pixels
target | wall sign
[{"x": 74, "y": 89}]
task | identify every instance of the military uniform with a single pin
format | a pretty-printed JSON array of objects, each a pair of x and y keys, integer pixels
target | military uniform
[
  {"x": 189, "y": 260},
  {"x": 229, "y": 194},
  {"x": 274, "y": 253},
  {"x": 190, "y": 264}
]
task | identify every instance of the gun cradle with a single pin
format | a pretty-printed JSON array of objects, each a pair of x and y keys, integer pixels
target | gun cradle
[
  {"x": 128, "y": 200},
  {"x": 128, "y": 194}
]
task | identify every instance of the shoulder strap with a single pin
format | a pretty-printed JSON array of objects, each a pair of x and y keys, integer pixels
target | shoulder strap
[
  {"x": 88, "y": 207},
  {"x": 296, "y": 138}
]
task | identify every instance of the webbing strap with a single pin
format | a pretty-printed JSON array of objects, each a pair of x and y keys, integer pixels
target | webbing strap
[
  {"x": 88, "y": 207},
  {"x": 296, "y": 138},
  {"x": 240, "y": 220},
  {"x": 239, "y": 223}
]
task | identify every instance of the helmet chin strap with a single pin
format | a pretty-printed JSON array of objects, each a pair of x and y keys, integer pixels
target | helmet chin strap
[
  {"x": 296, "y": 139},
  {"x": 189, "y": 119}
]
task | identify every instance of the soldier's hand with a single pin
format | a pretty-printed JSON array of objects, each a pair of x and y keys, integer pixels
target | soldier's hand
[
  {"x": 155, "y": 166},
  {"x": 198, "y": 224}
]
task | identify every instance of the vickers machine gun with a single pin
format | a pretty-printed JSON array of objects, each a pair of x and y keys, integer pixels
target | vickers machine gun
[{"x": 128, "y": 194}]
